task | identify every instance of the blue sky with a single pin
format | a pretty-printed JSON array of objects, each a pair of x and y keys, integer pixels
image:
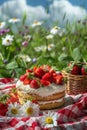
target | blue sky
[
  {"x": 36, "y": 10},
  {"x": 45, "y": 3}
]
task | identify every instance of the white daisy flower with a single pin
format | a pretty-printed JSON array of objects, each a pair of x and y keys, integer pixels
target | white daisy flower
[
  {"x": 55, "y": 30},
  {"x": 50, "y": 36},
  {"x": 29, "y": 109},
  {"x": 28, "y": 37},
  {"x": 14, "y": 20},
  {"x": 7, "y": 40},
  {"x": 36, "y": 23},
  {"x": 2, "y": 25},
  {"x": 49, "y": 120},
  {"x": 50, "y": 46},
  {"x": 40, "y": 48},
  {"x": 63, "y": 48},
  {"x": 61, "y": 32},
  {"x": 13, "y": 110},
  {"x": 25, "y": 58}
]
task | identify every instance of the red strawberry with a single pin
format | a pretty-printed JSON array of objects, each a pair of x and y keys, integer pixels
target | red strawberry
[
  {"x": 26, "y": 81},
  {"x": 14, "y": 95},
  {"x": 76, "y": 70},
  {"x": 23, "y": 77},
  {"x": 51, "y": 70},
  {"x": 13, "y": 98},
  {"x": 35, "y": 101},
  {"x": 58, "y": 79},
  {"x": 84, "y": 70},
  {"x": 29, "y": 71},
  {"x": 54, "y": 74},
  {"x": 34, "y": 84},
  {"x": 39, "y": 72},
  {"x": 47, "y": 76},
  {"x": 45, "y": 82},
  {"x": 46, "y": 68}
]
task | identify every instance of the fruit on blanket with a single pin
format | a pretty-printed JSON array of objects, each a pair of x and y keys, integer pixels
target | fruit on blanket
[
  {"x": 13, "y": 98},
  {"x": 84, "y": 70}
]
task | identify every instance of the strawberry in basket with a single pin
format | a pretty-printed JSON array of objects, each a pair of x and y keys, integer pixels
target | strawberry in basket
[
  {"x": 84, "y": 70},
  {"x": 74, "y": 68},
  {"x": 76, "y": 78}
]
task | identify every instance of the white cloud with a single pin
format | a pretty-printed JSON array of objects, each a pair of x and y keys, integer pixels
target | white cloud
[
  {"x": 16, "y": 8},
  {"x": 63, "y": 8},
  {"x": 57, "y": 10}
]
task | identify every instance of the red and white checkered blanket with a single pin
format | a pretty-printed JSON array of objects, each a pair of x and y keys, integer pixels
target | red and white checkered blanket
[{"x": 71, "y": 117}]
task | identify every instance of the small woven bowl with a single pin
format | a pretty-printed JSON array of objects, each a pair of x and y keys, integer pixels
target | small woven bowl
[{"x": 75, "y": 84}]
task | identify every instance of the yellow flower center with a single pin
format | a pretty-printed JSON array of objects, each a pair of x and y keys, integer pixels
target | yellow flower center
[
  {"x": 49, "y": 120},
  {"x": 14, "y": 111},
  {"x": 8, "y": 40},
  {"x": 14, "y": 18},
  {"x": 29, "y": 110},
  {"x": 0, "y": 23},
  {"x": 49, "y": 46},
  {"x": 36, "y": 22},
  {"x": 56, "y": 28}
]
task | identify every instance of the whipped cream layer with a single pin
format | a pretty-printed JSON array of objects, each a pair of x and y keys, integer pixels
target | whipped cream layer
[
  {"x": 52, "y": 101},
  {"x": 42, "y": 91}
]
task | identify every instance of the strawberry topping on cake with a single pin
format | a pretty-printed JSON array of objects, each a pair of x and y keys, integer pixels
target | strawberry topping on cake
[{"x": 41, "y": 76}]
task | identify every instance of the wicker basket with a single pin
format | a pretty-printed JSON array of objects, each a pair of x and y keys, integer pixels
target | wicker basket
[{"x": 75, "y": 84}]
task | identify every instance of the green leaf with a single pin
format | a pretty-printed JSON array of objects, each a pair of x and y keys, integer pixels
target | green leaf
[
  {"x": 19, "y": 72},
  {"x": 12, "y": 65},
  {"x": 4, "y": 73},
  {"x": 76, "y": 54},
  {"x": 64, "y": 57},
  {"x": 24, "y": 18}
]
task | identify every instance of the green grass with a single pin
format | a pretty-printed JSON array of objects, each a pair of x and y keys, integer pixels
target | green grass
[{"x": 58, "y": 57}]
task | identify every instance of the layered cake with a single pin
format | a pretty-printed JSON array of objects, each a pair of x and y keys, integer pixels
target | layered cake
[{"x": 42, "y": 84}]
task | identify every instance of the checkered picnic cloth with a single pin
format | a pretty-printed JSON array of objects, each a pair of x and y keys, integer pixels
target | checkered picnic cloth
[{"x": 73, "y": 116}]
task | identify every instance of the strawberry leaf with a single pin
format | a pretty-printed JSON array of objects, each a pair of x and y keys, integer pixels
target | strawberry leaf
[
  {"x": 65, "y": 57},
  {"x": 76, "y": 54}
]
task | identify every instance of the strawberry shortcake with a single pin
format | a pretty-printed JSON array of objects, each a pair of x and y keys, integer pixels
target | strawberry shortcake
[{"x": 42, "y": 84}]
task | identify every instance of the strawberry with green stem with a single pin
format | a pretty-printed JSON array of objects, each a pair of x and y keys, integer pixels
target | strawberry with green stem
[
  {"x": 74, "y": 68},
  {"x": 84, "y": 69}
]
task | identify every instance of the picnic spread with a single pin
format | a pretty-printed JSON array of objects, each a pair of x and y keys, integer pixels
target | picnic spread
[{"x": 72, "y": 115}]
